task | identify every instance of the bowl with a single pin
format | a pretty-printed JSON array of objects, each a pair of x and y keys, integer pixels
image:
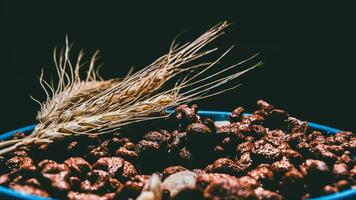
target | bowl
[{"x": 216, "y": 116}]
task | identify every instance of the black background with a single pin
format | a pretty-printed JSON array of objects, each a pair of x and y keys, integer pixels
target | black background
[{"x": 308, "y": 50}]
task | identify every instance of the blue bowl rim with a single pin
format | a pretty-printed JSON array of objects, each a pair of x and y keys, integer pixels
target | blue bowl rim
[{"x": 346, "y": 194}]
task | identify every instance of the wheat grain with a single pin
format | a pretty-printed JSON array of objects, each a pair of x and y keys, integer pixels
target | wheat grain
[{"x": 152, "y": 189}]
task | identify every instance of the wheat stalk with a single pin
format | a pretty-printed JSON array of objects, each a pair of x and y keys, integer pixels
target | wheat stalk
[{"x": 95, "y": 106}]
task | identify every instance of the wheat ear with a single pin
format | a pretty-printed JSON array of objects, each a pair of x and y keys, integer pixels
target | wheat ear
[{"x": 138, "y": 97}]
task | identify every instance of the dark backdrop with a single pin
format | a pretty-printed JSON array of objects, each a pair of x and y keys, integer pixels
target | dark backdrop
[{"x": 307, "y": 50}]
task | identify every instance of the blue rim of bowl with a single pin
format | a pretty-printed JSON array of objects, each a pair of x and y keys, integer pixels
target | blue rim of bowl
[{"x": 216, "y": 115}]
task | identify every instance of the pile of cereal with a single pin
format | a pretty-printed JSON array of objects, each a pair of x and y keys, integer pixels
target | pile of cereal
[{"x": 266, "y": 155}]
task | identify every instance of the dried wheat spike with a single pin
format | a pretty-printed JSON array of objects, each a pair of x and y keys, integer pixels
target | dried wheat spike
[{"x": 95, "y": 106}]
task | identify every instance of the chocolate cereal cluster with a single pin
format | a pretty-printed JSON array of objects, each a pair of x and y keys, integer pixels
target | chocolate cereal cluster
[{"x": 265, "y": 155}]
